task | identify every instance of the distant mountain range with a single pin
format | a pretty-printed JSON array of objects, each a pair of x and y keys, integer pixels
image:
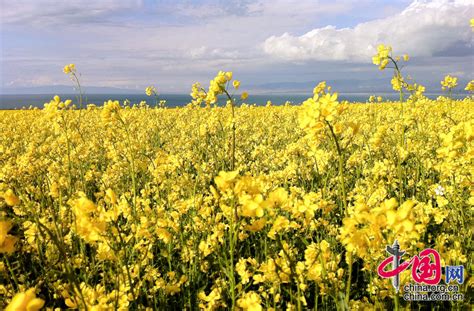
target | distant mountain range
[
  {"x": 369, "y": 86},
  {"x": 67, "y": 89}
]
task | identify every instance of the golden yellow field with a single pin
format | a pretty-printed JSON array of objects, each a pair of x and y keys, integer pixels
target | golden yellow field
[{"x": 135, "y": 207}]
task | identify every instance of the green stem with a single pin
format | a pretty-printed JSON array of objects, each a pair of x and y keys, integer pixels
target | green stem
[
  {"x": 341, "y": 166},
  {"x": 11, "y": 271},
  {"x": 399, "y": 75},
  {"x": 397, "y": 302},
  {"x": 76, "y": 79},
  {"x": 400, "y": 171},
  {"x": 69, "y": 271},
  {"x": 349, "y": 280},
  {"x": 294, "y": 275},
  {"x": 233, "y": 129},
  {"x": 132, "y": 166},
  {"x": 230, "y": 263},
  {"x": 68, "y": 145},
  {"x": 125, "y": 248}
]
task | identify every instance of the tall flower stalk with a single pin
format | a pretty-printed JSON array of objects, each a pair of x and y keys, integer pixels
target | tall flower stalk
[
  {"x": 383, "y": 58},
  {"x": 218, "y": 86},
  {"x": 321, "y": 112},
  {"x": 72, "y": 72}
]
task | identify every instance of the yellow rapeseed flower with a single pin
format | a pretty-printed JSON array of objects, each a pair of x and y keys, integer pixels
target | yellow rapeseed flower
[
  {"x": 382, "y": 57},
  {"x": 449, "y": 82},
  {"x": 7, "y": 241},
  {"x": 225, "y": 179},
  {"x": 71, "y": 68},
  {"x": 470, "y": 86},
  {"x": 10, "y": 198},
  {"x": 150, "y": 90},
  {"x": 25, "y": 301},
  {"x": 250, "y": 301},
  {"x": 236, "y": 84}
]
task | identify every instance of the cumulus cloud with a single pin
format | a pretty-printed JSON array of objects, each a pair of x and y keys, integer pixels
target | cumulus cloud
[
  {"x": 175, "y": 43},
  {"x": 204, "y": 52},
  {"x": 424, "y": 28}
]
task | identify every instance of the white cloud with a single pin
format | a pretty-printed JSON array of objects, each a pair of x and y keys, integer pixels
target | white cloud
[
  {"x": 38, "y": 80},
  {"x": 424, "y": 28},
  {"x": 204, "y": 52},
  {"x": 52, "y": 12},
  {"x": 299, "y": 8},
  {"x": 175, "y": 43}
]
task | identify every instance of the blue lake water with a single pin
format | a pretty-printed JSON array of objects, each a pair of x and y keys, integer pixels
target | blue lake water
[{"x": 172, "y": 100}]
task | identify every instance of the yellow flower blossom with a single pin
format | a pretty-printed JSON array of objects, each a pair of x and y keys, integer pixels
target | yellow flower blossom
[
  {"x": 470, "y": 86},
  {"x": 150, "y": 90},
  {"x": 236, "y": 84},
  {"x": 7, "y": 241},
  {"x": 90, "y": 228},
  {"x": 449, "y": 83},
  {"x": 211, "y": 301},
  {"x": 250, "y": 301},
  {"x": 25, "y": 301},
  {"x": 225, "y": 179},
  {"x": 71, "y": 68},
  {"x": 381, "y": 59},
  {"x": 110, "y": 196},
  {"x": 10, "y": 198}
]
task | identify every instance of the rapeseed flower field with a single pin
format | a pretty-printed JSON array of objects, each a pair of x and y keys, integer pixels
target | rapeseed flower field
[{"x": 233, "y": 207}]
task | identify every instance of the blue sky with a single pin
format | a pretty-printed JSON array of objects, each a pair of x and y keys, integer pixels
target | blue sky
[{"x": 269, "y": 45}]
